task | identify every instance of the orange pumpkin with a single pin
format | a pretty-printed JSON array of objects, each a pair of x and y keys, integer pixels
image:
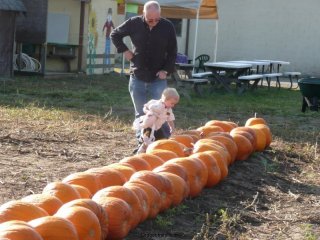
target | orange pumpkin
[
  {"x": 64, "y": 191},
  {"x": 152, "y": 159},
  {"x": 195, "y": 134},
  {"x": 126, "y": 170},
  {"x": 185, "y": 139},
  {"x": 53, "y": 227},
  {"x": 226, "y": 126},
  {"x": 221, "y": 161},
  {"x": 245, "y": 147},
  {"x": 96, "y": 208},
  {"x": 228, "y": 143},
  {"x": 165, "y": 155},
  {"x": 224, "y": 134},
  {"x": 19, "y": 210},
  {"x": 255, "y": 120},
  {"x": 196, "y": 176},
  {"x": 88, "y": 180},
  {"x": 173, "y": 168},
  {"x": 128, "y": 196},
  {"x": 152, "y": 194},
  {"x": 108, "y": 176},
  {"x": 167, "y": 144},
  {"x": 248, "y": 133},
  {"x": 18, "y": 230},
  {"x": 180, "y": 187},
  {"x": 162, "y": 184},
  {"x": 209, "y": 144},
  {"x": 205, "y": 130},
  {"x": 143, "y": 199},
  {"x": 49, "y": 203},
  {"x": 214, "y": 172},
  {"x": 120, "y": 215},
  {"x": 261, "y": 140},
  {"x": 84, "y": 220},
  {"x": 266, "y": 131},
  {"x": 138, "y": 163},
  {"x": 83, "y": 191}
]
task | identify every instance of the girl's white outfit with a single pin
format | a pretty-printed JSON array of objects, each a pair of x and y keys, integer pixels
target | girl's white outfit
[{"x": 156, "y": 114}]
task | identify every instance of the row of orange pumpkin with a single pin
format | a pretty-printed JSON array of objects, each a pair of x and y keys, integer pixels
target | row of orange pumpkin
[{"x": 107, "y": 202}]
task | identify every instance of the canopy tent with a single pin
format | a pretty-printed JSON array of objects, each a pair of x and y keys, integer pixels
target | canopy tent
[
  {"x": 180, "y": 8},
  {"x": 189, "y": 9}
]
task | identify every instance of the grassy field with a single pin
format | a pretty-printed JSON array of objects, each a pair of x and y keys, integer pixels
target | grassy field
[{"x": 83, "y": 122}]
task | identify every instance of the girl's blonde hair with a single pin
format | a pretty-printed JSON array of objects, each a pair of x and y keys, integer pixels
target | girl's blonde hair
[{"x": 169, "y": 93}]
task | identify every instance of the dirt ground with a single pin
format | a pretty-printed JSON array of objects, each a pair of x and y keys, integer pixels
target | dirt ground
[{"x": 272, "y": 195}]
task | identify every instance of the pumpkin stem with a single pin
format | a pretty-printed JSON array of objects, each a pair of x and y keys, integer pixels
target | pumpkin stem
[{"x": 255, "y": 115}]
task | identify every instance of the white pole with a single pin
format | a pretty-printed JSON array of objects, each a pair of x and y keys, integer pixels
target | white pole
[
  {"x": 216, "y": 42},
  {"x": 196, "y": 37}
]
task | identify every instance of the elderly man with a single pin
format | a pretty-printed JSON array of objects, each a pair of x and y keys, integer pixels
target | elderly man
[{"x": 152, "y": 58}]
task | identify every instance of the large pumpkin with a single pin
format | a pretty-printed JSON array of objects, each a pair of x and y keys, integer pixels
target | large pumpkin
[
  {"x": 205, "y": 130},
  {"x": 185, "y": 139},
  {"x": 19, "y": 210},
  {"x": 245, "y": 147},
  {"x": 125, "y": 169},
  {"x": 196, "y": 175},
  {"x": 247, "y": 132},
  {"x": 214, "y": 172},
  {"x": 161, "y": 183},
  {"x": 18, "y": 230},
  {"x": 165, "y": 155},
  {"x": 138, "y": 163},
  {"x": 229, "y": 144},
  {"x": 120, "y": 215},
  {"x": 266, "y": 131},
  {"x": 152, "y": 194},
  {"x": 221, "y": 161},
  {"x": 84, "y": 220},
  {"x": 53, "y": 227},
  {"x": 49, "y": 203},
  {"x": 143, "y": 199},
  {"x": 86, "y": 179},
  {"x": 212, "y": 145},
  {"x": 83, "y": 191},
  {"x": 128, "y": 196},
  {"x": 152, "y": 159},
  {"x": 226, "y": 126},
  {"x": 64, "y": 191},
  {"x": 167, "y": 144},
  {"x": 261, "y": 139},
  {"x": 180, "y": 187},
  {"x": 173, "y": 168},
  {"x": 96, "y": 208},
  {"x": 255, "y": 120},
  {"x": 108, "y": 176}
]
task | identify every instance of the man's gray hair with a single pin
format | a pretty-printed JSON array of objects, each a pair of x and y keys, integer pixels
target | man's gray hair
[{"x": 151, "y": 5}]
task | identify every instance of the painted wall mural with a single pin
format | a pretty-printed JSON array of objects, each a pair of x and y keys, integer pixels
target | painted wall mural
[
  {"x": 108, "y": 26},
  {"x": 100, "y": 26}
]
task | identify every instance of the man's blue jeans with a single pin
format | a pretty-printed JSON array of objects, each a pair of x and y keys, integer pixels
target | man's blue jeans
[{"x": 141, "y": 92}]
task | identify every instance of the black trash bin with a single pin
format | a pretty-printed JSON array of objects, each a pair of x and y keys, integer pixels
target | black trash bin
[{"x": 310, "y": 90}]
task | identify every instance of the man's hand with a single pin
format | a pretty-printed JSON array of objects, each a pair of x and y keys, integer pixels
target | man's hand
[
  {"x": 162, "y": 74},
  {"x": 128, "y": 55}
]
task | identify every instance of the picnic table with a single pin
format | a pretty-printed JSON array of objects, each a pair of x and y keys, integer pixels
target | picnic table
[{"x": 232, "y": 71}]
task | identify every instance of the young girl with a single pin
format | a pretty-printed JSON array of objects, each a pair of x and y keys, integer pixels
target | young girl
[{"x": 157, "y": 112}]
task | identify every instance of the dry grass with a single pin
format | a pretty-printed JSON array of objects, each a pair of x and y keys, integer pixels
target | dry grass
[{"x": 51, "y": 128}]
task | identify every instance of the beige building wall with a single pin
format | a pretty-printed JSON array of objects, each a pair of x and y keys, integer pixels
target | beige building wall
[
  {"x": 274, "y": 29},
  {"x": 206, "y": 40},
  {"x": 72, "y": 9}
]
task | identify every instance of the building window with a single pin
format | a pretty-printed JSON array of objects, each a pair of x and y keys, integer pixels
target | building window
[{"x": 177, "y": 23}]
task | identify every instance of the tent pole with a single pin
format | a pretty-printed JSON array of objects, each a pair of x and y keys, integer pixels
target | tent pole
[
  {"x": 196, "y": 38},
  {"x": 216, "y": 42}
]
